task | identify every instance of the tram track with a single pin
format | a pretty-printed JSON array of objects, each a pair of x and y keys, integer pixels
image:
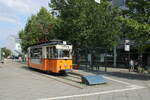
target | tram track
[
  {"x": 66, "y": 80},
  {"x": 69, "y": 79},
  {"x": 72, "y": 78}
]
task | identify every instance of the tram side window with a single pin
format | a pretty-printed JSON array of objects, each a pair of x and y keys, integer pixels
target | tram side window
[
  {"x": 36, "y": 53},
  {"x": 49, "y": 52},
  {"x": 55, "y": 52},
  {"x": 52, "y": 52}
]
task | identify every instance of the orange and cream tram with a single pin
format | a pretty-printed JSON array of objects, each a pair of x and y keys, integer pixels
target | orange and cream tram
[{"x": 53, "y": 56}]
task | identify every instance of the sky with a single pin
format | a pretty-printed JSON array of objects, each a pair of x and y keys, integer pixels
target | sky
[
  {"x": 98, "y": 1},
  {"x": 13, "y": 17}
]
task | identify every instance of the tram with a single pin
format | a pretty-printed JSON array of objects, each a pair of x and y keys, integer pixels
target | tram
[{"x": 53, "y": 56}]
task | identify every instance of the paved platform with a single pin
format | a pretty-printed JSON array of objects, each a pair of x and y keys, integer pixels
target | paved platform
[{"x": 17, "y": 82}]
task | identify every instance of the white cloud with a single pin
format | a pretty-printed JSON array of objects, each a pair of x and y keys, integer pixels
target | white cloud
[
  {"x": 8, "y": 19},
  {"x": 13, "y": 15},
  {"x": 25, "y": 6},
  {"x": 16, "y": 4}
]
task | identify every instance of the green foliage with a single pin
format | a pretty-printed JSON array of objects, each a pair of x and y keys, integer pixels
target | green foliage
[
  {"x": 39, "y": 28},
  {"x": 139, "y": 10},
  {"x": 6, "y": 52},
  {"x": 86, "y": 23},
  {"x": 136, "y": 24}
]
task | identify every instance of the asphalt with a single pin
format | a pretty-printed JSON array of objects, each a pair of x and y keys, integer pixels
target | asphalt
[{"x": 18, "y": 82}]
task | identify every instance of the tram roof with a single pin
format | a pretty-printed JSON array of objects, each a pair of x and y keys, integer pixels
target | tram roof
[{"x": 51, "y": 42}]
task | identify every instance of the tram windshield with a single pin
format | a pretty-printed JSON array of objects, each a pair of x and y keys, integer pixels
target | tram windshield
[
  {"x": 64, "y": 53},
  {"x": 58, "y": 53}
]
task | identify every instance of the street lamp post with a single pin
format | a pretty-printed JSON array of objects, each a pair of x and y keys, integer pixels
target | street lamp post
[{"x": 0, "y": 54}]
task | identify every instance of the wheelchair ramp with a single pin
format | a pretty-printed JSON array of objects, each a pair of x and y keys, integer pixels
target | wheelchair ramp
[{"x": 93, "y": 79}]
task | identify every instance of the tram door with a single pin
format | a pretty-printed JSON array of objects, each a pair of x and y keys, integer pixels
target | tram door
[
  {"x": 50, "y": 59},
  {"x": 53, "y": 59}
]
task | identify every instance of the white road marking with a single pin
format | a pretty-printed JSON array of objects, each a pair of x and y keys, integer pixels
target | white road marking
[
  {"x": 126, "y": 83},
  {"x": 91, "y": 94},
  {"x": 130, "y": 87}
]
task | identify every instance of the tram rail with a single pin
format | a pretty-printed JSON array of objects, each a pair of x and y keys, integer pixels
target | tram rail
[{"x": 69, "y": 79}]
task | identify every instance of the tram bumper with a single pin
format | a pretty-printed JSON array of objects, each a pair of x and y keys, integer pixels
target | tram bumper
[
  {"x": 68, "y": 70},
  {"x": 65, "y": 70}
]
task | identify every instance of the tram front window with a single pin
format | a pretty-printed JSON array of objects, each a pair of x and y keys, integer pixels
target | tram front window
[
  {"x": 53, "y": 53},
  {"x": 64, "y": 54}
]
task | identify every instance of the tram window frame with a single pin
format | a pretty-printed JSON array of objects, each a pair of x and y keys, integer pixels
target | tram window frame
[
  {"x": 61, "y": 54},
  {"x": 53, "y": 53},
  {"x": 49, "y": 52},
  {"x": 37, "y": 55}
]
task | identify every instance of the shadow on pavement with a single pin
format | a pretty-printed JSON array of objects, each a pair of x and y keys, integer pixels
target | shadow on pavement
[
  {"x": 41, "y": 72},
  {"x": 127, "y": 75},
  {"x": 130, "y": 75}
]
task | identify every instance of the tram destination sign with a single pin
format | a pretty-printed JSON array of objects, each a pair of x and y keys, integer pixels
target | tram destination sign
[{"x": 64, "y": 47}]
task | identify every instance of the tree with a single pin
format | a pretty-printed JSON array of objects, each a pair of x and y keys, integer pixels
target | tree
[
  {"x": 138, "y": 10},
  {"x": 5, "y": 52},
  {"x": 137, "y": 22},
  {"x": 86, "y": 23},
  {"x": 39, "y": 28}
]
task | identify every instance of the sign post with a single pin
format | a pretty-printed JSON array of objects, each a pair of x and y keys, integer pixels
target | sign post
[
  {"x": 127, "y": 45},
  {"x": 127, "y": 48}
]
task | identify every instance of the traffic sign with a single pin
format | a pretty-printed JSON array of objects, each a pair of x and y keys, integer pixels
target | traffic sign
[{"x": 127, "y": 48}]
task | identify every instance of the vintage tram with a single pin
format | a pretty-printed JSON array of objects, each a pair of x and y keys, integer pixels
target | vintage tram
[{"x": 53, "y": 56}]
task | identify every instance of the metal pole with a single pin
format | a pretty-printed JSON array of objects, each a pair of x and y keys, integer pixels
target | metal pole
[
  {"x": 105, "y": 64},
  {"x": 115, "y": 55},
  {"x": 0, "y": 54}
]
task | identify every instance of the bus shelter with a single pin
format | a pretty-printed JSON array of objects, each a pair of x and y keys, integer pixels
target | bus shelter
[{"x": 90, "y": 58}]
